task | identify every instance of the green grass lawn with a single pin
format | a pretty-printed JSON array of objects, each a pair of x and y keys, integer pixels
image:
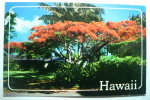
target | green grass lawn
[
  {"x": 29, "y": 80},
  {"x": 21, "y": 74}
]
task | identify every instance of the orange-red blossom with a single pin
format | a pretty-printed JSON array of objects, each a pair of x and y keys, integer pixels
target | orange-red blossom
[
  {"x": 110, "y": 31},
  {"x": 13, "y": 45},
  {"x": 98, "y": 31}
]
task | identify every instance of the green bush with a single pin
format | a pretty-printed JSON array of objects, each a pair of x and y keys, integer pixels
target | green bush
[
  {"x": 26, "y": 65},
  {"x": 13, "y": 66},
  {"x": 110, "y": 68},
  {"x": 128, "y": 48},
  {"x": 53, "y": 66},
  {"x": 5, "y": 63},
  {"x": 68, "y": 74},
  {"x": 31, "y": 65}
]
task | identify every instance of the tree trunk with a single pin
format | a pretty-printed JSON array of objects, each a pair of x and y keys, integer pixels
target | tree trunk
[
  {"x": 79, "y": 50},
  {"x": 69, "y": 56},
  {"x": 91, "y": 54}
]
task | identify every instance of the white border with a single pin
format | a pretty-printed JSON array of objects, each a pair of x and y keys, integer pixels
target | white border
[{"x": 79, "y": 7}]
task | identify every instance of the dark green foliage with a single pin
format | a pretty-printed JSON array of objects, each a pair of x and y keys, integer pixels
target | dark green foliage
[
  {"x": 68, "y": 74},
  {"x": 14, "y": 66},
  {"x": 5, "y": 63},
  {"x": 110, "y": 68},
  {"x": 53, "y": 66},
  {"x": 132, "y": 48},
  {"x": 9, "y": 17},
  {"x": 33, "y": 65},
  {"x": 26, "y": 65},
  {"x": 33, "y": 51}
]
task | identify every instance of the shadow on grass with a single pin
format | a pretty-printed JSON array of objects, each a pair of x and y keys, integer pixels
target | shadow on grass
[{"x": 34, "y": 80}]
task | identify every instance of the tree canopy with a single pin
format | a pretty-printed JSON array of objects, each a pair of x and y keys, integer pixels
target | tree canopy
[
  {"x": 71, "y": 12},
  {"x": 77, "y": 42}
]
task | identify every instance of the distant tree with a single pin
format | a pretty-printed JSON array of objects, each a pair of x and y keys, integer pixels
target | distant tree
[{"x": 71, "y": 12}]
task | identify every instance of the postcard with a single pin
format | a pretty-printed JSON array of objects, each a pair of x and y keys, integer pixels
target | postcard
[{"x": 74, "y": 49}]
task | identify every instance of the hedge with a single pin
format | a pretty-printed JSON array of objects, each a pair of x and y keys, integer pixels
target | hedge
[{"x": 112, "y": 68}]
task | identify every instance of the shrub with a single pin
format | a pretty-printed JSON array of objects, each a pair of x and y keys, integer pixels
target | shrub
[
  {"x": 31, "y": 65},
  {"x": 110, "y": 68},
  {"x": 68, "y": 74},
  {"x": 13, "y": 66},
  {"x": 132, "y": 48},
  {"x": 26, "y": 65}
]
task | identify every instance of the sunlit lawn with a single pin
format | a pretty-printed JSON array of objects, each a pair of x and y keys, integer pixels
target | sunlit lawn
[
  {"x": 29, "y": 80},
  {"x": 21, "y": 74}
]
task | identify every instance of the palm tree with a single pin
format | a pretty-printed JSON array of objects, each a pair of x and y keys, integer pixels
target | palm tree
[{"x": 71, "y": 12}]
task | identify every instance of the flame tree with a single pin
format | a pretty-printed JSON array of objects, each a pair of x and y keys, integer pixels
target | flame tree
[{"x": 78, "y": 42}]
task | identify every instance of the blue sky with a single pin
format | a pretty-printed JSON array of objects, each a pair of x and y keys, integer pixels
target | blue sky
[{"x": 27, "y": 17}]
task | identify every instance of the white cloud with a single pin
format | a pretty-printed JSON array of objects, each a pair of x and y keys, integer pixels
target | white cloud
[{"x": 23, "y": 26}]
